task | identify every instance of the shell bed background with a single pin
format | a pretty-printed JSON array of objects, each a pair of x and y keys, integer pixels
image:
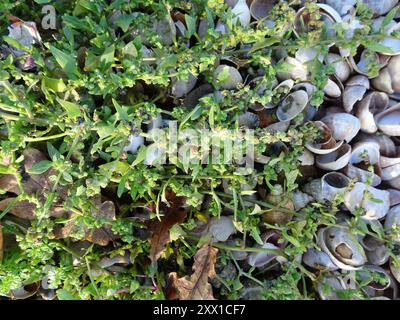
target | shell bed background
[{"x": 88, "y": 212}]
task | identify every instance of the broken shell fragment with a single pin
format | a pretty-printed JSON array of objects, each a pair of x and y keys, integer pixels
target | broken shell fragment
[
  {"x": 388, "y": 121},
  {"x": 354, "y": 91},
  {"x": 373, "y": 103}
]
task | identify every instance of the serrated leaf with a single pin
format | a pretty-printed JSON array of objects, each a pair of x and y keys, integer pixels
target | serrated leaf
[{"x": 122, "y": 115}]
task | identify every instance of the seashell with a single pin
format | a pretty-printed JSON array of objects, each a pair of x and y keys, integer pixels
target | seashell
[
  {"x": 380, "y": 7},
  {"x": 203, "y": 28},
  {"x": 362, "y": 175},
  {"x": 183, "y": 87},
  {"x": 241, "y": 13},
  {"x": 305, "y": 55},
  {"x": 375, "y": 249},
  {"x": 298, "y": 71},
  {"x": 357, "y": 197},
  {"x": 305, "y": 86},
  {"x": 314, "y": 189},
  {"x": 341, "y": 6},
  {"x": 394, "y": 183},
  {"x": 395, "y": 269},
  {"x": 135, "y": 141},
  {"x": 270, "y": 241},
  {"x": 166, "y": 29},
  {"x": 259, "y": 9},
  {"x": 361, "y": 66},
  {"x": 354, "y": 91},
  {"x": 342, "y": 247},
  {"x": 300, "y": 199},
  {"x": 386, "y": 145},
  {"x": 372, "y": 288},
  {"x": 374, "y": 102},
  {"x": 391, "y": 172},
  {"x": 328, "y": 287},
  {"x": 238, "y": 255},
  {"x": 335, "y": 160},
  {"x": 292, "y": 105},
  {"x": 393, "y": 220},
  {"x": 318, "y": 260},
  {"x": 232, "y": 81},
  {"x": 394, "y": 197},
  {"x": 388, "y": 121},
  {"x": 231, "y": 3},
  {"x": 193, "y": 97},
  {"x": 388, "y": 79},
  {"x": 326, "y": 144},
  {"x": 343, "y": 126},
  {"x": 393, "y": 46},
  {"x": 276, "y": 216},
  {"x": 306, "y": 158},
  {"x": 221, "y": 228},
  {"x": 249, "y": 120},
  {"x": 281, "y": 126},
  {"x": 333, "y": 183},
  {"x": 24, "y": 292},
  {"x": 332, "y": 89},
  {"x": 107, "y": 262},
  {"x": 365, "y": 151},
  {"x": 342, "y": 68}
]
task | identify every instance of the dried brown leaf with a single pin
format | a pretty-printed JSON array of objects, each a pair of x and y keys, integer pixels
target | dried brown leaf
[
  {"x": 21, "y": 209},
  {"x": 197, "y": 287},
  {"x": 160, "y": 228}
]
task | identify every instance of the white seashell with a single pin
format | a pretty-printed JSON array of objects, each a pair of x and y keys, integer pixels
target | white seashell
[
  {"x": 366, "y": 150},
  {"x": 375, "y": 249},
  {"x": 341, "y": 6},
  {"x": 394, "y": 197},
  {"x": 305, "y": 55},
  {"x": 388, "y": 79},
  {"x": 342, "y": 68},
  {"x": 332, "y": 89},
  {"x": 328, "y": 145},
  {"x": 343, "y": 126},
  {"x": 362, "y": 175},
  {"x": 386, "y": 145},
  {"x": 356, "y": 198},
  {"x": 292, "y": 105},
  {"x": 391, "y": 172},
  {"x": 259, "y": 9},
  {"x": 335, "y": 160},
  {"x": 298, "y": 71},
  {"x": 374, "y": 102},
  {"x": 242, "y": 13},
  {"x": 380, "y": 7},
  {"x": 221, "y": 228},
  {"x": 342, "y": 247}
]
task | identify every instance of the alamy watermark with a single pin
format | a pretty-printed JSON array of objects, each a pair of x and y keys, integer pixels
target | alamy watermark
[{"x": 49, "y": 20}]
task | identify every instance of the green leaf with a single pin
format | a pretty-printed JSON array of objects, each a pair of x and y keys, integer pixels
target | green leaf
[
  {"x": 15, "y": 43},
  {"x": 264, "y": 43},
  {"x": 73, "y": 110},
  {"x": 56, "y": 85},
  {"x": 190, "y": 25},
  {"x": 107, "y": 58},
  {"x": 389, "y": 17},
  {"x": 124, "y": 21},
  {"x": 52, "y": 151},
  {"x": 378, "y": 47},
  {"x": 63, "y": 294},
  {"x": 41, "y": 167},
  {"x": 255, "y": 233},
  {"x": 6, "y": 169},
  {"x": 120, "y": 111},
  {"x": 42, "y": 1},
  {"x": 66, "y": 61},
  {"x": 140, "y": 156}
]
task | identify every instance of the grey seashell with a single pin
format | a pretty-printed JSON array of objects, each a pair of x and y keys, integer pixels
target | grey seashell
[
  {"x": 314, "y": 189},
  {"x": 24, "y": 292},
  {"x": 166, "y": 29},
  {"x": 259, "y": 259},
  {"x": 391, "y": 172},
  {"x": 281, "y": 126},
  {"x": 333, "y": 183},
  {"x": 233, "y": 80},
  {"x": 192, "y": 99},
  {"x": 386, "y": 145},
  {"x": 231, "y": 3},
  {"x": 380, "y": 7},
  {"x": 203, "y": 28},
  {"x": 306, "y": 158},
  {"x": 343, "y": 126},
  {"x": 342, "y": 247},
  {"x": 238, "y": 255},
  {"x": 331, "y": 89},
  {"x": 300, "y": 199},
  {"x": 259, "y": 9},
  {"x": 341, "y": 6},
  {"x": 305, "y": 55},
  {"x": 328, "y": 145},
  {"x": 292, "y": 105},
  {"x": 355, "y": 198},
  {"x": 335, "y": 160},
  {"x": 374, "y": 102},
  {"x": 354, "y": 91},
  {"x": 342, "y": 68},
  {"x": 388, "y": 79},
  {"x": 375, "y": 249},
  {"x": 118, "y": 259},
  {"x": 318, "y": 260},
  {"x": 388, "y": 121},
  {"x": 393, "y": 220},
  {"x": 221, "y": 228},
  {"x": 306, "y": 86},
  {"x": 394, "y": 197},
  {"x": 249, "y": 120}
]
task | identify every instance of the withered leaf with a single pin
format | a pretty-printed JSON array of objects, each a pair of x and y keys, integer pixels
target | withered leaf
[
  {"x": 197, "y": 287},
  {"x": 160, "y": 228},
  {"x": 32, "y": 184},
  {"x": 101, "y": 236}
]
